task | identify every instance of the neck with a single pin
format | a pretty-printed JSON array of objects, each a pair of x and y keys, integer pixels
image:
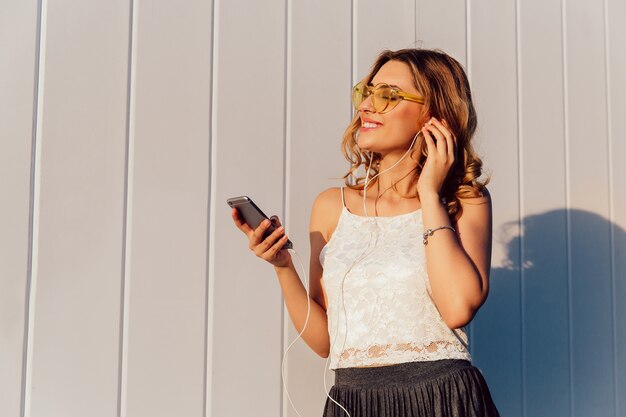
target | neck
[{"x": 398, "y": 181}]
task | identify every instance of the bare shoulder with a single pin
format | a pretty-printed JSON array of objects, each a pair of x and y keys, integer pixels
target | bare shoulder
[
  {"x": 478, "y": 204},
  {"x": 326, "y": 211},
  {"x": 484, "y": 199},
  {"x": 476, "y": 211}
]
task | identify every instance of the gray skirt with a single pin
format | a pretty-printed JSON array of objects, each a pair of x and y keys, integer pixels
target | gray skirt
[{"x": 443, "y": 388}]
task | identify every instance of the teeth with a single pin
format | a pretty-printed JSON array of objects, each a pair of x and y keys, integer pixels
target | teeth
[{"x": 369, "y": 125}]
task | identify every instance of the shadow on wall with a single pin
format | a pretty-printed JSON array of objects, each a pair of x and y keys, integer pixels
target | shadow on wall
[{"x": 551, "y": 339}]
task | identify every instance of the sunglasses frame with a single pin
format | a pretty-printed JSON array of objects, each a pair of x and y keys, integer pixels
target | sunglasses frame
[{"x": 369, "y": 90}]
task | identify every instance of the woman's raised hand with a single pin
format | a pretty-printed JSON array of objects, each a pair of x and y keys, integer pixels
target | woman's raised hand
[
  {"x": 269, "y": 248},
  {"x": 441, "y": 145}
]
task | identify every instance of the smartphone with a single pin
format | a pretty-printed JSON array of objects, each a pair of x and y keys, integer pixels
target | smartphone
[{"x": 253, "y": 215}]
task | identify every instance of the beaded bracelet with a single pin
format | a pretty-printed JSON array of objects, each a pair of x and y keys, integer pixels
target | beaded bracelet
[{"x": 429, "y": 232}]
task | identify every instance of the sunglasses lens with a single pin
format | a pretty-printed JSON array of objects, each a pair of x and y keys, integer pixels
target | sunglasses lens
[
  {"x": 384, "y": 99},
  {"x": 358, "y": 95}
]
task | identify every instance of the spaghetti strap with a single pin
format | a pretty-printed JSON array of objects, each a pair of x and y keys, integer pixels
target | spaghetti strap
[{"x": 343, "y": 200}]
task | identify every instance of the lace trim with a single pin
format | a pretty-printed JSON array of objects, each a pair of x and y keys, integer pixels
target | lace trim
[{"x": 377, "y": 355}]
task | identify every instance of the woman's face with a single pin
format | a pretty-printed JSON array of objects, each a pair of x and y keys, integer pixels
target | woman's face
[{"x": 394, "y": 130}]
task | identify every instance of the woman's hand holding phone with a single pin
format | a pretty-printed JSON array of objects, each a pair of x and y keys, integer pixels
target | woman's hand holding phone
[{"x": 269, "y": 248}]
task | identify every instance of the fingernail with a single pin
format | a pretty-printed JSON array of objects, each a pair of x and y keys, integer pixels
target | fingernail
[
  {"x": 281, "y": 228},
  {"x": 266, "y": 222}
]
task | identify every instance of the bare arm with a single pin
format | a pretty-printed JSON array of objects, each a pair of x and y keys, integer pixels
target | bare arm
[
  {"x": 316, "y": 332},
  {"x": 294, "y": 292},
  {"x": 458, "y": 263}
]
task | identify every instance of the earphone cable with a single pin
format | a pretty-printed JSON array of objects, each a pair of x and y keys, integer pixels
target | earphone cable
[{"x": 306, "y": 321}]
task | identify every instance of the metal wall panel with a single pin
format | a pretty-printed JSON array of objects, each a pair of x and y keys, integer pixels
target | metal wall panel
[
  {"x": 495, "y": 336},
  {"x": 75, "y": 294},
  {"x": 248, "y": 157},
  {"x": 590, "y": 275},
  {"x": 615, "y": 33},
  {"x": 18, "y": 72},
  {"x": 165, "y": 321},
  {"x": 543, "y": 179}
]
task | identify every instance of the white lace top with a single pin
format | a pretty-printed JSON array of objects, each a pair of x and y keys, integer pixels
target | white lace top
[{"x": 380, "y": 310}]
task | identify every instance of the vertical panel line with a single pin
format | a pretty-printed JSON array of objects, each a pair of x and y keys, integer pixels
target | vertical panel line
[
  {"x": 353, "y": 41},
  {"x": 520, "y": 209},
  {"x": 34, "y": 206},
  {"x": 468, "y": 39},
  {"x": 415, "y": 23},
  {"x": 127, "y": 222},
  {"x": 208, "y": 377},
  {"x": 208, "y": 302},
  {"x": 286, "y": 195},
  {"x": 468, "y": 69},
  {"x": 609, "y": 138},
  {"x": 568, "y": 204}
]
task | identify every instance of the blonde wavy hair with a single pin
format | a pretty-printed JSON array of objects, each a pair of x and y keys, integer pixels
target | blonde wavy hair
[{"x": 441, "y": 80}]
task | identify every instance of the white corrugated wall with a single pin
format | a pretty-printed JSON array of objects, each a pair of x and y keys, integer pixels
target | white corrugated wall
[{"x": 126, "y": 291}]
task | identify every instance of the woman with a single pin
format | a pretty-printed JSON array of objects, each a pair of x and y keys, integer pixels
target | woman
[{"x": 400, "y": 257}]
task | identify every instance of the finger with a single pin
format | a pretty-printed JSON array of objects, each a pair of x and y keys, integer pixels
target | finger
[
  {"x": 269, "y": 241},
  {"x": 258, "y": 233},
  {"x": 241, "y": 225},
  {"x": 444, "y": 136},
  {"x": 443, "y": 128},
  {"x": 451, "y": 141},
  {"x": 275, "y": 220},
  {"x": 442, "y": 145},
  {"x": 276, "y": 247},
  {"x": 451, "y": 149},
  {"x": 430, "y": 142}
]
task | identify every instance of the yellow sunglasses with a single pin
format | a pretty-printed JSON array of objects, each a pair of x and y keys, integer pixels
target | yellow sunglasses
[{"x": 384, "y": 96}]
